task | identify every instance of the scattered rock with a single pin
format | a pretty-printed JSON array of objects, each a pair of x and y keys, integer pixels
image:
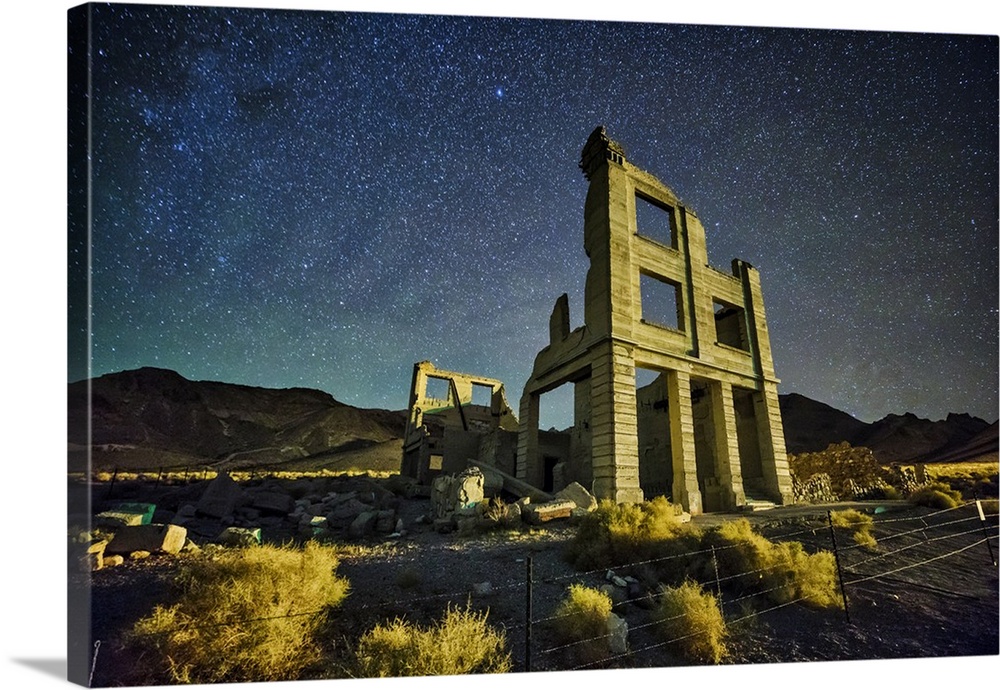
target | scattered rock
[
  {"x": 140, "y": 555},
  {"x": 221, "y": 497},
  {"x": 275, "y": 502},
  {"x": 537, "y": 513},
  {"x": 91, "y": 556},
  {"x": 385, "y": 521},
  {"x": 579, "y": 496},
  {"x": 363, "y": 525},
  {"x": 618, "y": 630},
  {"x": 347, "y": 510},
  {"x": 111, "y": 561},
  {"x": 239, "y": 536},
  {"x": 152, "y": 538}
]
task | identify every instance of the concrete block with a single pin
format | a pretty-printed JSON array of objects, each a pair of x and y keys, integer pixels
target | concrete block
[
  {"x": 153, "y": 538},
  {"x": 539, "y": 513},
  {"x": 580, "y": 496}
]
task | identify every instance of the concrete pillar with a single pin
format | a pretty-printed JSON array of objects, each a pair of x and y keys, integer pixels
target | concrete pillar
[
  {"x": 614, "y": 436},
  {"x": 685, "y": 488},
  {"x": 727, "y": 448},
  {"x": 529, "y": 465},
  {"x": 771, "y": 437}
]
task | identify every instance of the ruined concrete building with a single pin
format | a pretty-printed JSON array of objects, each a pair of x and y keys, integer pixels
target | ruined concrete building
[
  {"x": 706, "y": 432},
  {"x": 454, "y": 418}
]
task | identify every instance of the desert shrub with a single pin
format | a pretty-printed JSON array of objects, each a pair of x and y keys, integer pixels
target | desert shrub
[
  {"x": 860, "y": 525},
  {"x": 936, "y": 495},
  {"x": 620, "y": 534},
  {"x": 782, "y": 571},
  {"x": 461, "y": 642},
  {"x": 581, "y": 619},
  {"x": 690, "y": 619},
  {"x": 247, "y": 614}
]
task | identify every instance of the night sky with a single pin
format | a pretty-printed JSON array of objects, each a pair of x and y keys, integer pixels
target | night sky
[{"x": 286, "y": 198}]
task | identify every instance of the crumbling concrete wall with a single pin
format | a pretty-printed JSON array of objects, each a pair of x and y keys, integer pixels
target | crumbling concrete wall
[
  {"x": 713, "y": 351},
  {"x": 447, "y": 422}
]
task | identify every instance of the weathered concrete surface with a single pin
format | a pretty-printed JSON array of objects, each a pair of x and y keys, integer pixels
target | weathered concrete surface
[
  {"x": 579, "y": 496},
  {"x": 712, "y": 435},
  {"x": 153, "y": 538},
  {"x": 454, "y": 417}
]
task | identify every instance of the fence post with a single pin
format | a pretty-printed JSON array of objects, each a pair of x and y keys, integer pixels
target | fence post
[
  {"x": 840, "y": 572},
  {"x": 111, "y": 487},
  {"x": 718, "y": 585},
  {"x": 527, "y": 618},
  {"x": 986, "y": 533}
]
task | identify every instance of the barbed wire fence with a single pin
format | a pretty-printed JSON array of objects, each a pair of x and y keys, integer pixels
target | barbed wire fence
[{"x": 855, "y": 571}]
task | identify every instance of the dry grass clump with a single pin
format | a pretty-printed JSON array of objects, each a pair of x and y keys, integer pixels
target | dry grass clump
[
  {"x": 690, "y": 619},
  {"x": 781, "y": 571},
  {"x": 620, "y": 534},
  {"x": 936, "y": 495},
  {"x": 461, "y": 642},
  {"x": 859, "y": 523},
  {"x": 247, "y": 614},
  {"x": 581, "y": 619}
]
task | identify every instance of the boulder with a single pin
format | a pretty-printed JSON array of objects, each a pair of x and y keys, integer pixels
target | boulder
[
  {"x": 618, "y": 634},
  {"x": 347, "y": 510},
  {"x": 363, "y": 525},
  {"x": 111, "y": 561},
  {"x": 221, "y": 497},
  {"x": 385, "y": 521},
  {"x": 239, "y": 536},
  {"x": 401, "y": 485},
  {"x": 152, "y": 538},
  {"x": 578, "y": 495},
  {"x": 91, "y": 556},
  {"x": 274, "y": 502}
]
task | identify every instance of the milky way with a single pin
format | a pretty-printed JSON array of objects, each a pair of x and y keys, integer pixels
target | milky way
[{"x": 300, "y": 198}]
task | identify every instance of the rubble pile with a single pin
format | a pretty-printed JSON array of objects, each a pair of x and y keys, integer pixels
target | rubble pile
[{"x": 224, "y": 513}]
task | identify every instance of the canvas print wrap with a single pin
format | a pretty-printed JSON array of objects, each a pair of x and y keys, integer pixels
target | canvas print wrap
[{"x": 425, "y": 345}]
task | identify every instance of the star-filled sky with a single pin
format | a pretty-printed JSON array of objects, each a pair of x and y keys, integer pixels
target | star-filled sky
[{"x": 300, "y": 198}]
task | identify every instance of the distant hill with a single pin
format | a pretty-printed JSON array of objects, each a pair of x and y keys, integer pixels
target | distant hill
[
  {"x": 811, "y": 425},
  {"x": 151, "y": 418}
]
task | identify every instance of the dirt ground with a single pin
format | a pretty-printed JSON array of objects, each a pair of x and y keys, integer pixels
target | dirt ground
[{"x": 928, "y": 590}]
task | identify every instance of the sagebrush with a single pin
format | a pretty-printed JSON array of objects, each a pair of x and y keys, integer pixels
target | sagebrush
[
  {"x": 690, "y": 621},
  {"x": 581, "y": 622},
  {"x": 249, "y": 614},
  {"x": 781, "y": 571},
  {"x": 461, "y": 642},
  {"x": 620, "y": 534},
  {"x": 936, "y": 495},
  {"x": 860, "y": 525}
]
